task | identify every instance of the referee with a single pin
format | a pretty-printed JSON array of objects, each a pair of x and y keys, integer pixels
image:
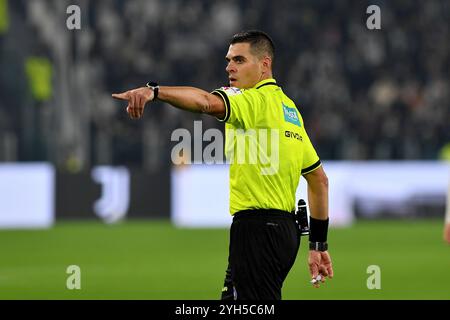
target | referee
[{"x": 264, "y": 236}]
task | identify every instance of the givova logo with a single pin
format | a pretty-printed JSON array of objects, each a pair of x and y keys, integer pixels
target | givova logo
[
  {"x": 291, "y": 134},
  {"x": 290, "y": 115}
]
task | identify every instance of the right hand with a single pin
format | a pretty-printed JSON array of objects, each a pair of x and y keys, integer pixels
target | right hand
[
  {"x": 136, "y": 99},
  {"x": 320, "y": 264}
]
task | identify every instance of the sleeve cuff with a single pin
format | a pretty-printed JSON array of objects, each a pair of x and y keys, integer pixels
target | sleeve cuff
[
  {"x": 311, "y": 168},
  {"x": 225, "y": 99}
]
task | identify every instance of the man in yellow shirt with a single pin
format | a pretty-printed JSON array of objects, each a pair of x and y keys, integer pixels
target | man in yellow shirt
[{"x": 268, "y": 149}]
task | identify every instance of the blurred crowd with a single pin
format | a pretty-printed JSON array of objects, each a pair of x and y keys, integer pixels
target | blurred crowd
[{"x": 364, "y": 94}]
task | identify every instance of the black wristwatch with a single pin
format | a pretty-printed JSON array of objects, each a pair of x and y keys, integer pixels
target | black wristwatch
[
  {"x": 155, "y": 87},
  {"x": 318, "y": 246}
]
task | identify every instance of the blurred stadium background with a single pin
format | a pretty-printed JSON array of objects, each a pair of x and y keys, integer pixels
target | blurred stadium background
[{"x": 81, "y": 184}]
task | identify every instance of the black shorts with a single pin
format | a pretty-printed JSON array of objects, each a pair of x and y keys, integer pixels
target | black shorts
[{"x": 263, "y": 248}]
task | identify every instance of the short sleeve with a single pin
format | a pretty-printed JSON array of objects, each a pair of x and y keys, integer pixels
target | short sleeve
[
  {"x": 311, "y": 160},
  {"x": 240, "y": 106}
]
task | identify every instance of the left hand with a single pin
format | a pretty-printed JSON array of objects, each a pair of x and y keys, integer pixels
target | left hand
[
  {"x": 320, "y": 264},
  {"x": 137, "y": 99}
]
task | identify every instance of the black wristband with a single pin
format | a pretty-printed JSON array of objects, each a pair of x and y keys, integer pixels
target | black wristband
[
  {"x": 318, "y": 246},
  {"x": 318, "y": 230},
  {"x": 155, "y": 87}
]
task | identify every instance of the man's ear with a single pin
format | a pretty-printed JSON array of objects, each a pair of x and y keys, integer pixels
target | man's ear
[{"x": 267, "y": 63}]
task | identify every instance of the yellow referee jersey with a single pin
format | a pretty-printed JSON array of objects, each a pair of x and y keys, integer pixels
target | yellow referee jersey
[{"x": 266, "y": 145}]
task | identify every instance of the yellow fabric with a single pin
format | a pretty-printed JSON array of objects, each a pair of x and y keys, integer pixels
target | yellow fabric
[
  {"x": 261, "y": 123},
  {"x": 4, "y": 17},
  {"x": 444, "y": 153},
  {"x": 39, "y": 72}
]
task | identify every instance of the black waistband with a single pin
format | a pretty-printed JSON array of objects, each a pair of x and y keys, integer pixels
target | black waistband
[{"x": 263, "y": 213}]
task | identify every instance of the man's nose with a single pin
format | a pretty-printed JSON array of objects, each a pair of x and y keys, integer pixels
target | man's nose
[{"x": 230, "y": 68}]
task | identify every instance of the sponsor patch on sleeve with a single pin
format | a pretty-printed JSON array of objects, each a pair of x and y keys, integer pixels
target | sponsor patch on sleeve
[
  {"x": 290, "y": 115},
  {"x": 231, "y": 91}
]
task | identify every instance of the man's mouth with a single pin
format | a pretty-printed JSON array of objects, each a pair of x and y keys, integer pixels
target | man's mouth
[{"x": 232, "y": 79}]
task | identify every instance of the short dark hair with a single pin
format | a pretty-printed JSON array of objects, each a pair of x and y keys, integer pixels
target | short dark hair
[{"x": 259, "y": 41}]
